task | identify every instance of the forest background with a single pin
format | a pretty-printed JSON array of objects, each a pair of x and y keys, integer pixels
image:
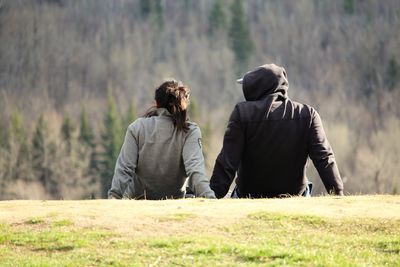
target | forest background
[{"x": 75, "y": 74}]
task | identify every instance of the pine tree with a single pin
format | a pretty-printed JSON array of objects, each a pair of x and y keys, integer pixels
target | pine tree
[
  {"x": 16, "y": 128},
  {"x": 216, "y": 18},
  {"x": 3, "y": 158},
  {"x": 19, "y": 146},
  {"x": 145, "y": 8},
  {"x": 130, "y": 115},
  {"x": 393, "y": 73},
  {"x": 3, "y": 133},
  {"x": 112, "y": 138},
  {"x": 17, "y": 157},
  {"x": 44, "y": 158},
  {"x": 3, "y": 124},
  {"x": 67, "y": 132},
  {"x": 86, "y": 136},
  {"x": 88, "y": 149},
  {"x": 239, "y": 36},
  {"x": 158, "y": 13},
  {"x": 152, "y": 9},
  {"x": 40, "y": 153},
  {"x": 348, "y": 6}
]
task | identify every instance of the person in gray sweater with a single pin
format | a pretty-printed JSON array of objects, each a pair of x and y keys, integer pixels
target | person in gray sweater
[{"x": 162, "y": 152}]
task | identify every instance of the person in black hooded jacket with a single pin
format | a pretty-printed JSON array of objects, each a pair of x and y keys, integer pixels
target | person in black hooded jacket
[{"x": 268, "y": 140}]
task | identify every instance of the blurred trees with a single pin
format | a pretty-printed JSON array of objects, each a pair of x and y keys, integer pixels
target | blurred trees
[
  {"x": 217, "y": 18},
  {"x": 42, "y": 152},
  {"x": 18, "y": 143},
  {"x": 86, "y": 135},
  {"x": 58, "y": 58},
  {"x": 239, "y": 35},
  {"x": 348, "y": 6},
  {"x": 88, "y": 151},
  {"x": 393, "y": 73},
  {"x": 130, "y": 115},
  {"x": 111, "y": 141},
  {"x": 67, "y": 131},
  {"x": 153, "y": 10}
]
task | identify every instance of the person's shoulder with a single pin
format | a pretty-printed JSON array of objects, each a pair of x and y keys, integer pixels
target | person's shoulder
[
  {"x": 193, "y": 131},
  {"x": 136, "y": 124},
  {"x": 305, "y": 108},
  {"x": 300, "y": 104},
  {"x": 244, "y": 111},
  {"x": 243, "y": 104},
  {"x": 192, "y": 127}
]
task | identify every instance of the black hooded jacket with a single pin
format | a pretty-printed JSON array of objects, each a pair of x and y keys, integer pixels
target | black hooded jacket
[{"x": 268, "y": 140}]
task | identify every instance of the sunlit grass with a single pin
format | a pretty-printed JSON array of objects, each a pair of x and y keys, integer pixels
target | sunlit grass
[{"x": 261, "y": 238}]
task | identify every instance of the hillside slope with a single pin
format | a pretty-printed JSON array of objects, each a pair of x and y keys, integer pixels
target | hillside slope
[{"x": 328, "y": 231}]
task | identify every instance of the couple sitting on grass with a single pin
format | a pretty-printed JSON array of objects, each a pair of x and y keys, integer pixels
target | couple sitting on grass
[{"x": 267, "y": 142}]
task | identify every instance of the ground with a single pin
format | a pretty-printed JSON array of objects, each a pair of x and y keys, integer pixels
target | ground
[{"x": 318, "y": 231}]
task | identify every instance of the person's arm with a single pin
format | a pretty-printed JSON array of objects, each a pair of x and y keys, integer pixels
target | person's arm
[
  {"x": 194, "y": 165},
  {"x": 125, "y": 165},
  {"x": 322, "y": 156},
  {"x": 228, "y": 160}
]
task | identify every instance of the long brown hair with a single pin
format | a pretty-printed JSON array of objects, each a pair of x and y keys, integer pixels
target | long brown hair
[{"x": 174, "y": 96}]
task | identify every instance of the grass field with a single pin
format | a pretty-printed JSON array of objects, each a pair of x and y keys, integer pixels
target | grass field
[{"x": 319, "y": 231}]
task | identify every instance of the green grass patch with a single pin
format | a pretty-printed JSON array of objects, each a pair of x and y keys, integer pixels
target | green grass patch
[
  {"x": 48, "y": 239},
  {"x": 256, "y": 239},
  {"x": 176, "y": 217},
  {"x": 277, "y": 218},
  {"x": 61, "y": 223}
]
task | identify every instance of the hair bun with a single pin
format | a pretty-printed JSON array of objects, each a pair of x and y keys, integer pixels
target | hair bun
[
  {"x": 174, "y": 91},
  {"x": 174, "y": 96}
]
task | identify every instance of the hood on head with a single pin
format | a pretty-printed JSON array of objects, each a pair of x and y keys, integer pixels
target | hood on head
[{"x": 263, "y": 81}]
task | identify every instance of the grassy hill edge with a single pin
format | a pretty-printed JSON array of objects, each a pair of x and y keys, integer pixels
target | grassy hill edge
[{"x": 327, "y": 231}]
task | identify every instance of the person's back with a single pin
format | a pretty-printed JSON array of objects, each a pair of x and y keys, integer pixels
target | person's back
[
  {"x": 268, "y": 140},
  {"x": 160, "y": 167},
  {"x": 160, "y": 151}
]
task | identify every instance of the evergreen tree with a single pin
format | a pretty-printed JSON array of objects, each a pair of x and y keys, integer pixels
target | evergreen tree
[
  {"x": 3, "y": 158},
  {"x": 3, "y": 124},
  {"x": 239, "y": 36},
  {"x": 16, "y": 130},
  {"x": 112, "y": 138},
  {"x": 130, "y": 115},
  {"x": 67, "y": 132},
  {"x": 145, "y": 8},
  {"x": 59, "y": 171},
  {"x": 3, "y": 133},
  {"x": 40, "y": 153},
  {"x": 86, "y": 136},
  {"x": 152, "y": 9},
  {"x": 18, "y": 147},
  {"x": 216, "y": 18},
  {"x": 348, "y": 6},
  {"x": 88, "y": 149},
  {"x": 158, "y": 14},
  {"x": 393, "y": 73},
  {"x": 44, "y": 158}
]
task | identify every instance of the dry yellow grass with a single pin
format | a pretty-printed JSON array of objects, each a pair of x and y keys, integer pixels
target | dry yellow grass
[
  {"x": 318, "y": 231},
  {"x": 153, "y": 218}
]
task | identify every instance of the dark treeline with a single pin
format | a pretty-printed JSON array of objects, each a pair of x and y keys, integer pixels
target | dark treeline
[{"x": 73, "y": 75}]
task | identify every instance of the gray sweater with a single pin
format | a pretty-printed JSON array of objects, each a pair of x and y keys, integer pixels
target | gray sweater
[{"x": 157, "y": 161}]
